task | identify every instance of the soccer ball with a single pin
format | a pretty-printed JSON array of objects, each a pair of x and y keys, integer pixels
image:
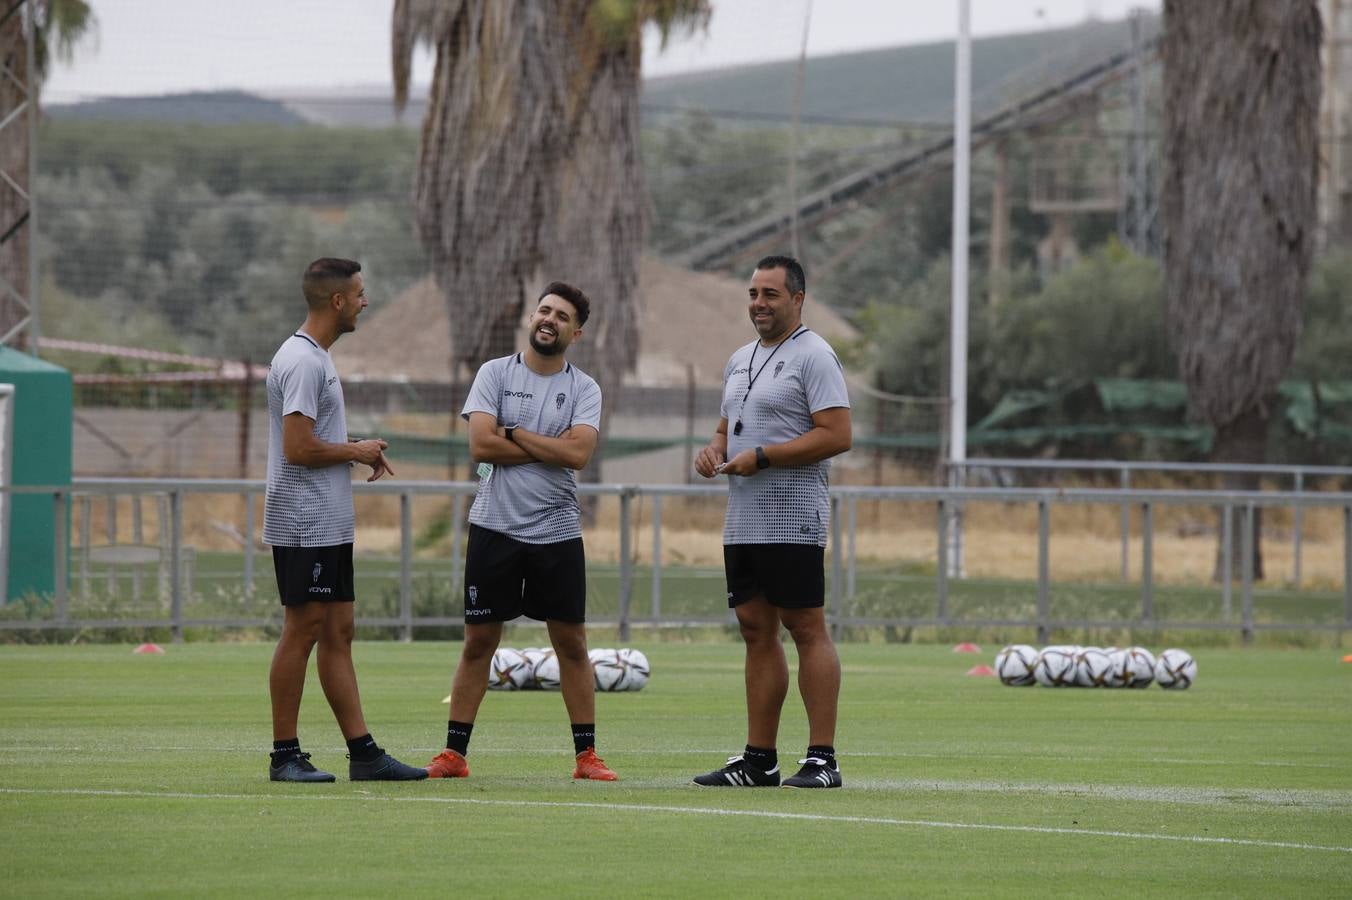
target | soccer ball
[
  {"x": 1138, "y": 668},
  {"x": 1092, "y": 666},
  {"x": 607, "y": 669},
  {"x": 1014, "y": 664},
  {"x": 510, "y": 671},
  {"x": 1175, "y": 669},
  {"x": 636, "y": 669},
  {"x": 533, "y": 656},
  {"x": 546, "y": 672},
  {"x": 1055, "y": 666}
]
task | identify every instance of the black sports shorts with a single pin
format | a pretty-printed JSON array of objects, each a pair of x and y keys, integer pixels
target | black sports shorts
[
  {"x": 506, "y": 578},
  {"x": 790, "y": 576},
  {"x": 314, "y": 573}
]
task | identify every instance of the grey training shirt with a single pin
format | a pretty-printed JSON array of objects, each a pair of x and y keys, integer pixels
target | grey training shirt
[
  {"x": 306, "y": 507},
  {"x": 788, "y": 383},
  {"x": 533, "y": 502}
]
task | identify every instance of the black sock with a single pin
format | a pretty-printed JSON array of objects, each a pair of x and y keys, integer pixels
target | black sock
[
  {"x": 283, "y": 749},
  {"x": 822, "y": 751},
  {"x": 457, "y": 736},
  {"x": 761, "y": 758},
  {"x": 584, "y": 736},
  {"x": 364, "y": 748}
]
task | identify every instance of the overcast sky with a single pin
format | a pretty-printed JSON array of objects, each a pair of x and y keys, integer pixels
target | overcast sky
[{"x": 168, "y": 46}]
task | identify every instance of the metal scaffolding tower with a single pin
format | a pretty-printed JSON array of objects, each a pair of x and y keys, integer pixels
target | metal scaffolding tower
[{"x": 18, "y": 168}]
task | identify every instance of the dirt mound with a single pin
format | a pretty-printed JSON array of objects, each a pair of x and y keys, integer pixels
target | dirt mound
[{"x": 686, "y": 317}]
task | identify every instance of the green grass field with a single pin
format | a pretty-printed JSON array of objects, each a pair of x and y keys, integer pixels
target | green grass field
[{"x": 125, "y": 775}]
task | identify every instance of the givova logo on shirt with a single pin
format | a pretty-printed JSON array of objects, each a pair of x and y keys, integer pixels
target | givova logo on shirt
[{"x": 520, "y": 395}]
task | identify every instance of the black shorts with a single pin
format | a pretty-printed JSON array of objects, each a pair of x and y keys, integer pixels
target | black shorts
[
  {"x": 506, "y": 578},
  {"x": 790, "y": 576},
  {"x": 314, "y": 573}
]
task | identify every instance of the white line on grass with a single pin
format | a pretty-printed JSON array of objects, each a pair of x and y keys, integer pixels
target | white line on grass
[{"x": 696, "y": 810}]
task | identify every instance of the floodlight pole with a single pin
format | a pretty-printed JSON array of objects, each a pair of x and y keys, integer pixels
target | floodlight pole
[{"x": 957, "y": 354}]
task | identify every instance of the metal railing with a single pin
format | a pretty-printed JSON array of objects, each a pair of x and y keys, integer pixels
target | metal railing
[
  {"x": 1300, "y": 477},
  {"x": 843, "y": 564}
]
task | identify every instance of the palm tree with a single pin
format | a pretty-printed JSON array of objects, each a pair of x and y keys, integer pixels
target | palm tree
[
  {"x": 1241, "y": 108},
  {"x": 60, "y": 24},
  {"x": 529, "y": 162}
]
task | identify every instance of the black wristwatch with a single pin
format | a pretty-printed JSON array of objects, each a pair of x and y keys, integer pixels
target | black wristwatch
[
  {"x": 762, "y": 461},
  {"x": 508, "y": 432}
]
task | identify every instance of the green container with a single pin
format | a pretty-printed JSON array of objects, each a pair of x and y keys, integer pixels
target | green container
[{"x": 39, "y": 454}]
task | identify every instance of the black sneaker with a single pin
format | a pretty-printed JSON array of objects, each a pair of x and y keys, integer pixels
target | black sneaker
[
  {"x": 739, "y": 773},
  {"x": 296, "y": 767},
  {"x": 815, "y": 773},
  {"x": 383, "y": 768}
]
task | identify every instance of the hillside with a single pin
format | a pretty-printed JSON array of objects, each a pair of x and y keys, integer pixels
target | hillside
[
  {"x": 198, "y": 108},
  {"x": 911, "y": 83}
]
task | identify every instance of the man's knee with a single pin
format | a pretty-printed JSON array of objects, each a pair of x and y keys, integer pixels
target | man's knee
[
  {"x": 480, "y": 642},
  {"x": 570, "y": 643},
  {"x": 758, "y": 622},
  {"x": 303, "y": 626},
  {"x": 807, "y": 626}
]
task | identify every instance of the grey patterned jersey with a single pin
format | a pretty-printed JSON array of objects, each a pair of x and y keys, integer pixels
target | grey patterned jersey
[
  {"x": 533, "y": 502},
  {"x": 306, "y": 507},
  {"x": 788, "y": 383}
]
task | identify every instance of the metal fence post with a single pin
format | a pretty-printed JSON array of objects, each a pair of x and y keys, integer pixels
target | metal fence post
[
  {"x": 405, "y": 567},
  {"x": 1298, "y": 520},
  {"x": 850, "y": 504},
  {"x": 626, "y": 563},
  {"x": 86, "y": 509},
  {"x": 1126, "y": 527},
  {"x": 1043, "y": 551},
  {"x": 1227, "y": 560},
  {"x": 941, "y": 527},
  {"x": 457, "y": 534},
  {"x": 1147, "y": 564},
  {"x": 61, "y": 567},
  {"x": 836, "y": 566},
  {"x": 110, "y": 528},
  {"x": 137, "y": 537},
  {"x": 249, "y": 526},
  {"x": 657, "y": 558},
  {"x": 1246, "y": 596},
  {"x": 175, "y": 566}
]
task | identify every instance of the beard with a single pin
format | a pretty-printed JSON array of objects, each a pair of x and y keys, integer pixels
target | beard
[{"x": 544, "y": 349}]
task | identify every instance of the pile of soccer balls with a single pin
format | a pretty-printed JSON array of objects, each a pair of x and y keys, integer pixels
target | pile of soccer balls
[
  {"x": 1064, "y": 665},
  {"x": 537, "y": 668}
]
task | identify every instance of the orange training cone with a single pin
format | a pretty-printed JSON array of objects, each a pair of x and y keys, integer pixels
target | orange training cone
[
  {"x": 149, "y": 648},
  {"x": 1347, "y": 658},
  {"x": 966, "y": 647},
  {"x": 981, "y": 671}
]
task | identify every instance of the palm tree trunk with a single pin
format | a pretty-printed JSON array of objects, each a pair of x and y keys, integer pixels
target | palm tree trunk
[{"x": 1242, "y": 441}]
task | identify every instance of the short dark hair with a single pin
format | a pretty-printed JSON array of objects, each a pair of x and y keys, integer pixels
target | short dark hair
[
  {"x": 794, "y": 279},
  {"x": 325, "y": 277},
  {"x": 572, "y": 295}
]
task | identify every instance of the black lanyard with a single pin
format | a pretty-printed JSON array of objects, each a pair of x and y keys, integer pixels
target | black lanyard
[{"x": 751, "y": 379}]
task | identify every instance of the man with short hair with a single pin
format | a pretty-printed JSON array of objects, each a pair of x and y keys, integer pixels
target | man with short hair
[
  {"x": 309, "y": 520},
  {"x": 533, "y": 421},
  {"x": 785, "y": 396}
]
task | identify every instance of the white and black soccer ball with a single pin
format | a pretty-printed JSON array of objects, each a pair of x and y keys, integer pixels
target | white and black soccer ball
[
  {"x": 607, "y": 669},
  {"x": 1092, "y": 666},
  {"x": 1055, "y": 666},
  {"x": 636, "y": 669},
  {"x": 509, "y": 671},
  {"x": 1175, "y": 669},
  {"x": 1014, "y": 665},
  {"x": 546, "y": 672},
  {"x": 1138, "y": 668},
  {"x": 533, "y": 656}
]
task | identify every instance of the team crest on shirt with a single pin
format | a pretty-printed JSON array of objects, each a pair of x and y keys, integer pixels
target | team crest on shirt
[
  {"x": 314, "y": 576},
  {"x": 779, "y": 367},
  {"x": 473, "y": 594},
  {"x": 558, "y": 400}
]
